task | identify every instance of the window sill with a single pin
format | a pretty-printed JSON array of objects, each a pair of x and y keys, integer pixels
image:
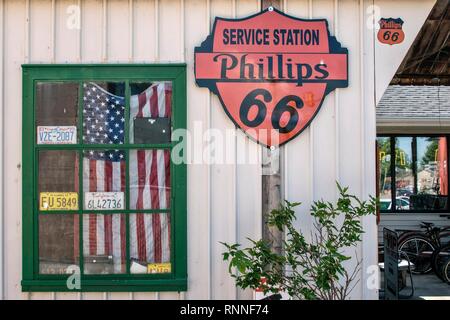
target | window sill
[{"x": 121, "y": 285}]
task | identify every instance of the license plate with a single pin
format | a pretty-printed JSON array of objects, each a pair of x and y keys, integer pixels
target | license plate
[
  {"x": 104, "y": 201},
  {"x": 56, "y": 135},
  {"x": 159, "y": 268},
  {"x": 53, "y": 201}
]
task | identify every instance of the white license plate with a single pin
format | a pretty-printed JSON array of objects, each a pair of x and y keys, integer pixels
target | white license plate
[
  {"x": 56, "y": 135},
  {"x": 104, "y": 201}
]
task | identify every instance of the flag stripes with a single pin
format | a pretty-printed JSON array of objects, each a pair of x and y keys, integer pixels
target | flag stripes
[{"x": 149, "y": 186}]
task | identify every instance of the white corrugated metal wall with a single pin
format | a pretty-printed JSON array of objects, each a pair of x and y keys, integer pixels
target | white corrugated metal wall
[{"x": 224, "y": 200}]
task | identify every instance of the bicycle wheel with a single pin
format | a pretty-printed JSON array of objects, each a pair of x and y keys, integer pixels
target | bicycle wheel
[
  {"x": 439, "y": 257},
  {"x": 419, "y": 251},
  {"x": 445, "y": 272}
]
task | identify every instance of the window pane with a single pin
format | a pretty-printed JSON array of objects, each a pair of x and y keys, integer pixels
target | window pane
[
  {"x": 150, "y": 112},
  {"x": 150, "y": 243},
  {"x": 150, "y": 179},
  {"x": 56, "y": 112},
  {"x": 432, "y": 180},
  {"x": 104, "y": 179},
  {"x": 103, "y": 113},
  {"x": 404, "y": 177},
  {"x": 384, "y": 158},
  {"x": 58, "y": 242},
  {"x": 58, "y": 180},
  {"x": 104, "y": 243}
]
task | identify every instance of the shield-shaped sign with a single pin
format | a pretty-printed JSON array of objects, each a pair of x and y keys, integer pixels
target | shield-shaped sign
[
  {"x": 271, "y": 72},
  {"x": 391, "y": 31}
]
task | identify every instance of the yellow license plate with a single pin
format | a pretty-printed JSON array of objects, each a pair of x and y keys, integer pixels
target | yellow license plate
[
  {"x": 158, "y": 268},
  {"x": 53, "y": 201}
]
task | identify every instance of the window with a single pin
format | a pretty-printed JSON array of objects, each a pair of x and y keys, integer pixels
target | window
[
  {"x": 413, "y": 173},
  {"x": 101, "y": 194}
]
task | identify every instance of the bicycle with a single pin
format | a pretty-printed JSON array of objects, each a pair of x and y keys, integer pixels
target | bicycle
[
  {"x": 439, "y": 259},
  {"x": 420, "y": 246},
  {"x": 445, "y": 271}
]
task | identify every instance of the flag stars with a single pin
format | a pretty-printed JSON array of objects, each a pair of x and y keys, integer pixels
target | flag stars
[{"x": 103, "y": 117}]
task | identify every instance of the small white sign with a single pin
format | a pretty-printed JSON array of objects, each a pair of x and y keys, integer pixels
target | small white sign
[
  {"x": 56, "y": 135},
  {"x": 104, "y": 201}
]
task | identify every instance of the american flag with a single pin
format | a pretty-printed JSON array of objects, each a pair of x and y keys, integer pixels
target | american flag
[{"x": 104, "y": 234}]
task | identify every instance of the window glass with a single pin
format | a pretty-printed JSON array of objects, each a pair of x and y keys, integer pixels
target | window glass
[
  {"x": 384, "y": 158},
  {"x": 104, "y": 243},
  {"x": 58, "y": 180},
  {"x": 104, "y": 179},
  {"x": 150, "y": 112},
  {"x": 150, "y": 243},
  {"x": 404, "y": 176},
  {"x": 432, "y": 180},
  {"x": 58, "y": 243},
  {"x": 103, "y": 113},
  {"x": 149, "y": 179},
  {"x": 56, "y": 112}
]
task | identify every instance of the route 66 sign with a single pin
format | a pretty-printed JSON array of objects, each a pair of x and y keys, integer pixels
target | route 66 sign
[
  {"x": 271, "y": 72},
  {"x": 391, "y": 31}
]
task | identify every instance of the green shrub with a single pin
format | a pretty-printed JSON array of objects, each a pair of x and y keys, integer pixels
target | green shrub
[{"x": 307, "y": 269}]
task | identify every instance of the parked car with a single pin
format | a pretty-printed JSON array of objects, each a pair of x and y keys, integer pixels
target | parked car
[{"x": 402, "y": 203}]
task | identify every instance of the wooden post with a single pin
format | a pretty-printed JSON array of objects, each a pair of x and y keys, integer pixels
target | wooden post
[
  {"x": 271, "y": 178},
  {"x": 271, "y": 3}
]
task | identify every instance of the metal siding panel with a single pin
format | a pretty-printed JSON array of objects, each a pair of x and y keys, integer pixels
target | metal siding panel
[
  {"x": 223, "y": 188},
  {"x": 118, "y": 33},
  {"x": 67, "y": 296},
  {"x": 119, "y": 296},
  {"x": 40, "y": 50},
  {"x": 298, "y": 161},
  {"x": 368, "y": 135},
  {"x": 66, "y": 34},
  {"x": 14, "y": 53},
  {"x": 41, "y": 31},
  {"x": 169, "y": 30},
  {"x": 144, "y": 30},
  {"x": 349, "y": 113},
  {"x": 143, "y": 296},
  {"x": 91, "y": 30},
  {"x": 324, "y": 128},
  {"x": 92, "y": 296},
  {"x": 199, "y": 213},
  {"x": 248, "y": 175}
]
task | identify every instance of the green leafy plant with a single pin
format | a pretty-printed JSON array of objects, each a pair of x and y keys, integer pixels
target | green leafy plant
[{"x": 308, "y": 268}]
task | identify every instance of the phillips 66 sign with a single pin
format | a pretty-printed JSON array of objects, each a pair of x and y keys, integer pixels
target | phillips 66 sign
[{"x": 271, "y": 72}]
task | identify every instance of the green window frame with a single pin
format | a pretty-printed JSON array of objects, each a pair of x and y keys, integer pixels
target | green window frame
[{"x": 32, "y": 280}]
